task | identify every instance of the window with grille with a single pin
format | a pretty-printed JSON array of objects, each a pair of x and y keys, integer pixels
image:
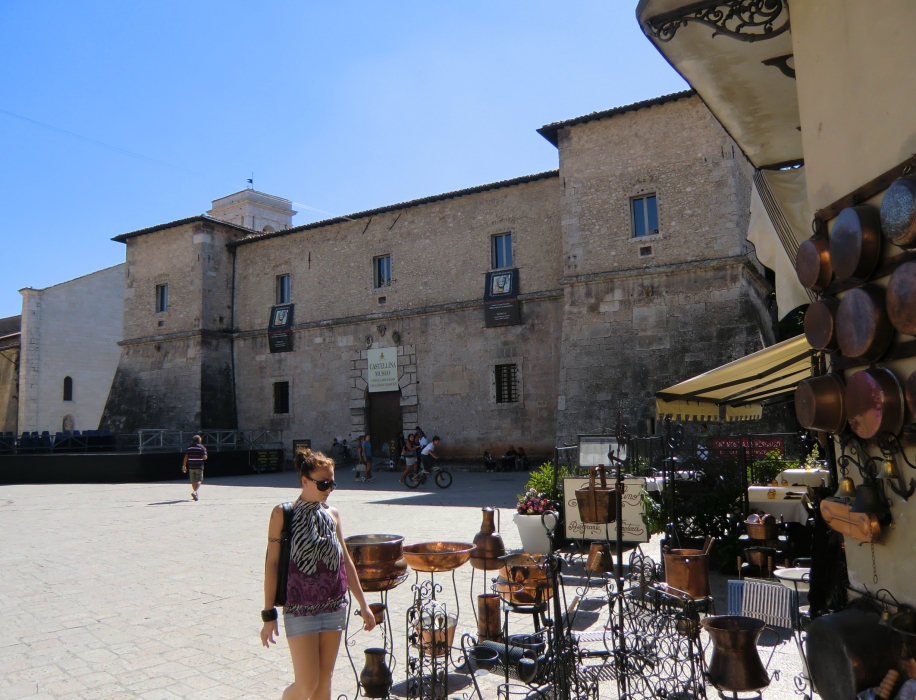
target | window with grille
[
  {"x": 283, "y": 289},
  {"x": 506, "y": 383},
  {"x": 382, "y": 265},
  {"x": 68, "y": 388},
  {"x": 644, "y": 215},
  {"x": 501, "y": 253},
  {"x": 162, "y": 298},
  {"x": 281, "y": 397}
]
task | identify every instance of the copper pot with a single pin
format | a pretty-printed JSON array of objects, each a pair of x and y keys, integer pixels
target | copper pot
[
  {"x": 819, "y": 403},
  {"x": 735, "y": 665},
  {"x": 488, "y": 544},
  {"x": 874, "y": 403},
  {"x": 372, "y": 550},
  {"x": 812, "y": 263},
  {"x": 378, "y": 612},
  {"x": 901, "y": 298},
  {"x": 688, "y": 570},
  {"x": 855, "y": 243},
  {"x": 375, "y": 678},
  {"x": 524, "y": 579},
  {"x": 383, "y": 577},
  {"x": 864, "y": 330},
  {"x": 599, "y": 559},
  {"x": 898, "y": 213},
  {"x": 820, "y": 325}
]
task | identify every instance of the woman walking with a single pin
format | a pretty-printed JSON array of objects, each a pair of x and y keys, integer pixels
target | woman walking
[
  {"x": 410, "y": 456},
  {"x": 320, "y": 572}
]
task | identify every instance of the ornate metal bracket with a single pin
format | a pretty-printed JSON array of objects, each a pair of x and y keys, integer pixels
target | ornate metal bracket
[
  {"x": 744, "y": 20},
  {"x": 865, "y": 463},
  {"x": 891, "y": 449}
]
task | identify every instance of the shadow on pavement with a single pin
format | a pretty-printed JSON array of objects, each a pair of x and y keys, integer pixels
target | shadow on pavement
[{"x": 168, "y": 503}]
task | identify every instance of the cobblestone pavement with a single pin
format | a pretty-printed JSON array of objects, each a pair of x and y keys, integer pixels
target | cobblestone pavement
[{"x": 134, "y": 591}]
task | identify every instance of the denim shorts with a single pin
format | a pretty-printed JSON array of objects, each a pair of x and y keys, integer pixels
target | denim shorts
[{"x": 297, "y": 625}]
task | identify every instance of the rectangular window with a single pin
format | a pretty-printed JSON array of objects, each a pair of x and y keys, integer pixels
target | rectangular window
[
  {"x": 281, "y": 397},
  {"x": 162, "y": 298},
  {"x": 644, "y": 215},
  {"x": 283, "y": 290},
  {"x": 506, "y": 383},
  {"x": 501, "y": 253},
  {"x": 382, "y": 265}
]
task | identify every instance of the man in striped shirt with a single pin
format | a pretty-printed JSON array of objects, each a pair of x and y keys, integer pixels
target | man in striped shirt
[{"x": 193, "y": 465}]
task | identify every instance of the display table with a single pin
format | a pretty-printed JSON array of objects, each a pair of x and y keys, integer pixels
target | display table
[
  {"x": 792, "y": 510},
  {"x": 805, "y": 477}
]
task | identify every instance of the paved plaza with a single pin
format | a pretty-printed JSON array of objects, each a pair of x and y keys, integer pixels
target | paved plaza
[{"x": 135, "y": 591}]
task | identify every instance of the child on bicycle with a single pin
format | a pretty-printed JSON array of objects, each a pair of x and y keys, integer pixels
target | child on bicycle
[{"x": 428, "y": 457}]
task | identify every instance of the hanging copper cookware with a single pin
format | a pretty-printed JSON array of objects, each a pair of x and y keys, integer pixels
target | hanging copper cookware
[
  {"x": 901, "y": 298},
  {"x": 864, "y": 330},
  {"x": 874, "y": 403},
  {"x": 898, "y": 213},
  {"x": 819, "y": 403},
  {"x": 909, "y": 390},
  {"x": 812, "y": 263},
  {"x": 855, "y": 243},
  {"x": 820, "y": 325}
]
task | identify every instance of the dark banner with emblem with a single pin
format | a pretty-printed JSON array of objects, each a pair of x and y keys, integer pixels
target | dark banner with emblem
[
  {"x": 500, "y": 296},
  {"x": 280, "y": 329}
]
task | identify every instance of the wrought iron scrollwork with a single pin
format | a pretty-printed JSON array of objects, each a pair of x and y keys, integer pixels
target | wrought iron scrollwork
[
  {"x": 745, "y": 20},
  {"x": 891, "y": 449}
]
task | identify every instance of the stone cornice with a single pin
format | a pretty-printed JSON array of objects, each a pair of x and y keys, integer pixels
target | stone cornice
[{"x": 675, "y": 268}]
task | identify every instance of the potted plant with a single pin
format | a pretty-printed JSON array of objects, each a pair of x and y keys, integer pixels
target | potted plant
[{"x": 542, "y": 494}]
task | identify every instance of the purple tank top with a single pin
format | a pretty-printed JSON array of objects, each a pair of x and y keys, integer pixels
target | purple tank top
[{"x": 317, "y": 577}]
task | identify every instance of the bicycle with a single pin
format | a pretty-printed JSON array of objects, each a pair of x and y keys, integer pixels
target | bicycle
[{"x": 443, "y": 478}]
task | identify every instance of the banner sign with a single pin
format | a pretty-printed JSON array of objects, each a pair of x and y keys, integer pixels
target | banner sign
[
  {"x": 754, "y": 447},
  {"x": 634, "y": 529},
  {"x": 383, "y": 369},
  {"x": 500, "y": 296},
  {"x": 280, "y": 329}
]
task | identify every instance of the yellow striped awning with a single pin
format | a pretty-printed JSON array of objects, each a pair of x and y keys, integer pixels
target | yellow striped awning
[{"x": 741, "y": 386}]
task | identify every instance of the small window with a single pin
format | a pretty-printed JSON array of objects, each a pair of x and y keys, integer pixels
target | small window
[
  {"x": 506, "y": 383},
  {"x": 162, "y": 298},
  {"x": 501, "y": 253},
  {"x": 281, "y": 397},
  {"x": 645, "y": 251},
  {"x": 68, "y": 388},
  {"x": 382, "y": 265},
  {"x": 644, "y": 215},
  {"x": 283, "y": 289}
]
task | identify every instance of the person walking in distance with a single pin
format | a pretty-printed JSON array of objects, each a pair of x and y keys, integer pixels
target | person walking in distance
[
  {"x": 320, "y": 573},
  {"x": 410, "y": 456},
  {"x": 193, "y": 466},
  {"x": 428, "y": 455},
  {"x": 366, "y": 444}
]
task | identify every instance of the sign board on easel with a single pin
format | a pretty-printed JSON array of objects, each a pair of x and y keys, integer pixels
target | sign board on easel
[{"x": 634, "y": 528}]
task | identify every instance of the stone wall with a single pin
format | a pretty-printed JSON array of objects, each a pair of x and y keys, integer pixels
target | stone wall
[
  {"x": 70, "y": 330},
  {"x": 9, "y": 389}
]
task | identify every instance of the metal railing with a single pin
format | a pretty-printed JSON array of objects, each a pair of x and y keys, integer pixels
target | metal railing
[
  {"x": 213, "y": 440},
  {"x": 143, "y": 441}
]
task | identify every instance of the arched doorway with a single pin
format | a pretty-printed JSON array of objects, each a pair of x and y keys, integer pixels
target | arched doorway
[{"x": 384, "y": 423}]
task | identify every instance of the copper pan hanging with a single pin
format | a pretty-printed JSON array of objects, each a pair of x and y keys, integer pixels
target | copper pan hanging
[
  {"x": 812, "y": 263},
  {"x": 819, "y": 403},
  {"x": 898, "y": 213},
  {"x": 874, "y": 403},
  {"x": 901, "y": 298},
  {"x": 909, "y": 390},
  {"x": 820, "y": 325},
  {"x": 864, "y": 330},
  {"x": 855, "y": 243}
]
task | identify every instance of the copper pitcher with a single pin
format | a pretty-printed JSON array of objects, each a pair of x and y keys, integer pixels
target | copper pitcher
[
  {"x": 599, "y": 558},
  {"x": 375, "y": 677},
  {"x": 488, "y": 543},
  {"x": 735, "y": 664}
]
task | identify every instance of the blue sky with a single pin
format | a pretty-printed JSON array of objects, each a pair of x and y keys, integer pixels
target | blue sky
[{"x": 339, "y": 106}]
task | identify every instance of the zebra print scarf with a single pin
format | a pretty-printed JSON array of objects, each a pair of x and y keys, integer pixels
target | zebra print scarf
[{"x": 314, "y": 538}]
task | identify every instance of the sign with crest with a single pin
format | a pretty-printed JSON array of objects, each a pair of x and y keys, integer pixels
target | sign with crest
[{"x": 383, "y": 369}]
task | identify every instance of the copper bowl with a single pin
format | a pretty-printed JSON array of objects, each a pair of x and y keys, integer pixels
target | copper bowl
[
  {"x": 385, "y": 583},
  {"x": 855, "y": 243},
  {"x": 378, "y": 612},
  {"x": 372, "y": 550},
  {"x": 864, "y": 329},
  {"x": 874, "y": 403},
  {"x": 812, "y": 264},
  {"x": 437, "y": 556},
  {"x": 819, "y": 403}
]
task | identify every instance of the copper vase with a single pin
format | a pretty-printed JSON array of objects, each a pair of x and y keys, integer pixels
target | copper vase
[
  {"x": 735, "y": 664},
  {"x": 375, "y": 677},
  {"x": 488, "y": 543},
  {"x": 489, "y": 625}
]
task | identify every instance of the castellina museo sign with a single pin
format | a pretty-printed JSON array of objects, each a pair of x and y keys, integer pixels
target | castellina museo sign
[{"x": 383, "y": 369}]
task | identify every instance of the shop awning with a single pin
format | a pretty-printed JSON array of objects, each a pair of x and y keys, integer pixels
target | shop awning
[{"x": 741, "y": 386}]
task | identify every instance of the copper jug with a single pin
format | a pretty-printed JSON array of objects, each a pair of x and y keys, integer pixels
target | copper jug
[
  {"x": 375, "y": 677},
  {"x": 488, "y": 543},
  {"x": 599, "y": 559},
  {"x": 735, "y": 664}
]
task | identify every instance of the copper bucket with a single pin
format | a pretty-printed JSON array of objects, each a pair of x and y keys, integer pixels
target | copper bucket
[
  {"x": 735, "y": 664},
  {"x": 597, "y": 504},
  {"x": 688, "y": 570}
]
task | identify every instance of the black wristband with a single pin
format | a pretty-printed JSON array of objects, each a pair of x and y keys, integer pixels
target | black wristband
[{"x": 269, "y": 615}]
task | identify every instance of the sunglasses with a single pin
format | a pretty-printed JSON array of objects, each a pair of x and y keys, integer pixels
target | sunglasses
[{"x": 324, "y": 485}]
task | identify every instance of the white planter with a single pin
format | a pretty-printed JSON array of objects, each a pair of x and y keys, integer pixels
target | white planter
[{"x": 533, "y": 534}]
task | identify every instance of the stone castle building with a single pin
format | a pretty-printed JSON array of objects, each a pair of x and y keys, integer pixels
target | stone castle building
[{"x": 633, "y": 273}]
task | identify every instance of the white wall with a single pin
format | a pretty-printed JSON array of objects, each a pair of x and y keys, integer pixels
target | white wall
[{"x": 71, "y": 329}]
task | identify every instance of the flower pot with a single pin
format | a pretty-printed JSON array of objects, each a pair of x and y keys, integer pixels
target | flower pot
[{"x": 534, "y": 536}]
